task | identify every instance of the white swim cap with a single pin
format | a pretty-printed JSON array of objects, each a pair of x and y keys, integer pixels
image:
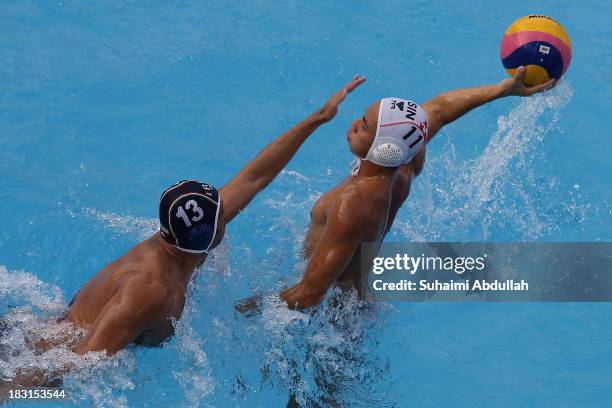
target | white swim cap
[{"x": 400, "y": 133}]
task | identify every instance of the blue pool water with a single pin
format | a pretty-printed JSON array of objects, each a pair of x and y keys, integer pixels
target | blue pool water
[{"x": 104, "y": 104}]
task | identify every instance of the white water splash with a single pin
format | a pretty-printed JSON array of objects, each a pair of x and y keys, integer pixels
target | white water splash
[
  {"x": 325, "y": 354},
  {"x": 498, "y": 190},
  {"x": 31, "y": 317},
  {"x": 515, "y": 133},
  {"x": 194, "y": 376},
  {"x": 25, "y": 288},
  {"x": 127, "y": 224},
  {"x": 192, "y": 372}
]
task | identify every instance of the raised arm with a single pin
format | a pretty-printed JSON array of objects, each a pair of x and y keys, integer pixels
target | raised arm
[
  {"x": 449, "y": 106},
  {"x": 256, "y": 175},
  {"x": 341, "y": 238}
]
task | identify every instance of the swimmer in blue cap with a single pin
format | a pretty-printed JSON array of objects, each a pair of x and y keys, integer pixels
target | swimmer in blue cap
[
  {"x": 136, "y": 297},
  {"x": 389, "y": 141}
]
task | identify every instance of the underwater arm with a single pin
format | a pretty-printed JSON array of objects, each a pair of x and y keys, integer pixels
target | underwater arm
[
  {"x": 450, "y": 106},
  {"x": 256, "y": 175}
]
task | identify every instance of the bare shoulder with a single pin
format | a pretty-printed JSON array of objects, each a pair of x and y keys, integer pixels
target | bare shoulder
[
  {"x": 367, "y": 194},
  {"x": 144, "y": 294},
  {"x": 360, "y": 202}
]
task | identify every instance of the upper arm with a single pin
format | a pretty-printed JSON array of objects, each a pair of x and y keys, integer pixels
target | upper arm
[
  {"x": 450, "y": 106},
  {"x": 134, "y": 309},
  {"x": 342, "y": 236}
]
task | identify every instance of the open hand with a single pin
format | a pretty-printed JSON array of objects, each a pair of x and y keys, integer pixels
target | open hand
[
  {"x": 515, "y": 85},
  {"x": 249, "y": 307},
  {"x": 329, "y": 110}
]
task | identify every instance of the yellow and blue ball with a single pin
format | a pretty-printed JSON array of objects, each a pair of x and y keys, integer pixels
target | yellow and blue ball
[{"x": 538, "y": 43}]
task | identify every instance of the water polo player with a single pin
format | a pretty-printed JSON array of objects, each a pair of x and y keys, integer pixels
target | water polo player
[{"x": 389, "y": 142}]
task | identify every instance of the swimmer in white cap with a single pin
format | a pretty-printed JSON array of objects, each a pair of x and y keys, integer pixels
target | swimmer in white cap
[{"x": 389, "y": 142}]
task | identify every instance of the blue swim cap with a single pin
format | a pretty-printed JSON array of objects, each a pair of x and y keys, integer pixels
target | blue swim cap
[{"x": 188, "y": 214}]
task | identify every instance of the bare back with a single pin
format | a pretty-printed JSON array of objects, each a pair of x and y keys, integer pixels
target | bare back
[{"x": 144, "y": 265}]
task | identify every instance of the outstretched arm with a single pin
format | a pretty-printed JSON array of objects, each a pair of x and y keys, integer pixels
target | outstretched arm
[
  {"x": 256, "y": 175},
  {"x": 449, "y": 106},
  {"x": 341, "y": 238}
]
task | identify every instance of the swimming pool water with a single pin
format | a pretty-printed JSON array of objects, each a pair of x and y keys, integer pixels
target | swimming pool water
[{"x": 105, "y": 104}]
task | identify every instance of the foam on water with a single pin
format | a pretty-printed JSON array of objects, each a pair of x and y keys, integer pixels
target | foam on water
[
  {"x": 127, "y": 224},
  {"x": 25, "y": 288},
  {"x": 325, "y": 356},
  {"x": 192, "y": 371},
  {"x": 32, "y": 308}
]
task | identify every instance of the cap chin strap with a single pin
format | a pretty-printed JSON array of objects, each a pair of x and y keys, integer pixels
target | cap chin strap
[
  {"x": 214, "y": 235},
  {"x": 191, "y": 251},
  {"x": 355, "y": 166}
]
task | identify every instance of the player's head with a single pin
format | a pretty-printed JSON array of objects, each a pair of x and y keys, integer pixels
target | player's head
[
  {"x": 390, "y": 133},
  {"x": 191, "y": 216}
]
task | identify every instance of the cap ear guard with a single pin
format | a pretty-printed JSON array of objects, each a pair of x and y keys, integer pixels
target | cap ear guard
[
  {"x": 387, "y": 154},
  {"x": 400, "y": 132}
]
